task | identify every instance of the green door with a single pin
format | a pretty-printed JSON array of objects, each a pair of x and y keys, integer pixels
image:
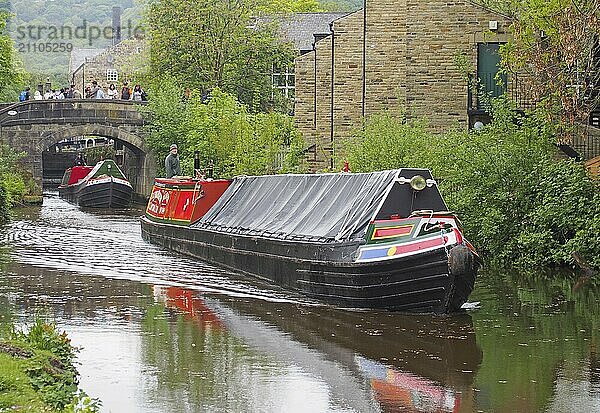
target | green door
[{"x": 488, "y": 65}]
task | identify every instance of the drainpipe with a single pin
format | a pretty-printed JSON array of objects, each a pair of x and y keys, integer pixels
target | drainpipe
[
  {"x": 332, "y": 88},
  {"x": 315, "y": 87},
  {"x": 364, "y": 60}
]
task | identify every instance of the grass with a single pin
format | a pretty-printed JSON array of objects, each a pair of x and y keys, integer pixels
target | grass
[
  {"x": 16, "y": 391},
  {"x": 37, "y": 372}
]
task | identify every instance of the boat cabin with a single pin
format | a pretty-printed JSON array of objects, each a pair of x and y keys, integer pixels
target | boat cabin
[{"x": 183, "y": 201}]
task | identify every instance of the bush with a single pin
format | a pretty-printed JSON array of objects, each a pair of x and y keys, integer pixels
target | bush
[
  {"x": 519, "y": 205},
  {"x": 15, "y": 187},
  {"x": 97, "y": 153},
  {"x": 12, "y": 184},
  {"x": 47, "y": 357}
]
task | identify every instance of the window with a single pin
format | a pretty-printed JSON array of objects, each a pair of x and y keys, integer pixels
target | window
[
  {"x": 112, "y": 75},
  {"x": 284, "y": 80}
]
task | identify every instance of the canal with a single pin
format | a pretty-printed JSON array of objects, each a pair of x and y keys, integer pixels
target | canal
[{"x": 159, "y": 332}]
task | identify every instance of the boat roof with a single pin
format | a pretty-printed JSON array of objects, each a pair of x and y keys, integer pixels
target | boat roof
[
  {"x": 106, "y": 167},
  {"x": 76, "y": 173},
  {"x": 318, "y": 207}
]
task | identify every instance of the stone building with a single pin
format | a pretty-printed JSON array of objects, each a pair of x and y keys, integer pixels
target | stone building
[
  {"x": 115, "y": 64},
  {"x": 399, "y": 56}
]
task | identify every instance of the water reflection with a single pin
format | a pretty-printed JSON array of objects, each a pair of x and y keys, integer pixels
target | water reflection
[
  {"x": 546, "y": 332},
  {"x": 165, "y": 348},
  {"x": 162, "y": 333},
  {"x": 368, "y": 361}
]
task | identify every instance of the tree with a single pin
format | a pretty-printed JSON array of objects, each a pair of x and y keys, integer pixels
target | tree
[
  {"x": 11, "y": 74},
  {"x": 222, "y": 130},
  {"x": 555, "y": 45},
  {"x": 209, "y": 44}
]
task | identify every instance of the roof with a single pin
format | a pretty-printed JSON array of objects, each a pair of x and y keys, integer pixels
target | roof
[
  {"x": 300, "y": 28},
  {"x": 80, "y": 56}
]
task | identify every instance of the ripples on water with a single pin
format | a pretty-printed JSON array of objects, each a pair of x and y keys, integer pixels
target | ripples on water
[
  {"x": 109, "y": 244},
  {"x": 164, "y": 333},
  {"x": 161, "y": 332}
]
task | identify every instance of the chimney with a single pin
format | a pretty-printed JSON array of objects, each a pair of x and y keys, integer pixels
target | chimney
[{"x": 116, "y": 25}]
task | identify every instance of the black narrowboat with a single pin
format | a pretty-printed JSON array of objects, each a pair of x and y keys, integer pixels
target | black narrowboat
[
  {"x": 367, "y": 240},
  {"x": 100, "y": 186}
]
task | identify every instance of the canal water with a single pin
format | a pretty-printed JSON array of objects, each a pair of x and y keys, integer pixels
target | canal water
[{"x": 159, "y": 332}]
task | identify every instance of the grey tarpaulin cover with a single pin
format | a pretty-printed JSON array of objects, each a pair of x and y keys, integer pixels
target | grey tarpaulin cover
[{"x": 323, "y": 207}]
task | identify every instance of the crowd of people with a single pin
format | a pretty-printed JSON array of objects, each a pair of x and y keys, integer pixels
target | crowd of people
[{"x": 92, "y": 91}]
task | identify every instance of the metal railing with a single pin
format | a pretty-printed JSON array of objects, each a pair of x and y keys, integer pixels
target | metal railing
[
  {"x": 586, "y": 142},
  {"x": 488, "y": 85}
]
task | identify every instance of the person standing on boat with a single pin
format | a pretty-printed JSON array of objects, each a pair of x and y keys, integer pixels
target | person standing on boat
[
  {"x": 80, "y": 160},
  {"x": 172, "y": 167}
]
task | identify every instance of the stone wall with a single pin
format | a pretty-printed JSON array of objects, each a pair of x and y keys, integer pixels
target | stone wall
[
  {"x": 348, "y": 72},
  {"x": 386, "y": 54},
  {"x": 323, "y": 102},
  {"x": 436, "y": 32},
  {"x": 304, "y": 103},
  {"x": 409, "y": 56}
]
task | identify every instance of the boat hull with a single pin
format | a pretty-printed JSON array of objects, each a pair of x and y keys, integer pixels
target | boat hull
[
  {"x": 422, "y": 282},
  {"x": 106, "y": 193}
]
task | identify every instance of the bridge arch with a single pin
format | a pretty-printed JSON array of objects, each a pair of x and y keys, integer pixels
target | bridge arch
[
  {"x": 33, "y": 126},
  {"x": 54, "y": 136}
]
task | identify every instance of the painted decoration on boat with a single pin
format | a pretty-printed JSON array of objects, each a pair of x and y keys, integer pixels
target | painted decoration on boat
[{"x": 183, "y": 201}]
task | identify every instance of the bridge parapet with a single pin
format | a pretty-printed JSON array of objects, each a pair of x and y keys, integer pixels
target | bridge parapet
[
  {"x": 72, "y": 111},
  {"x": 34, "y": 126}
]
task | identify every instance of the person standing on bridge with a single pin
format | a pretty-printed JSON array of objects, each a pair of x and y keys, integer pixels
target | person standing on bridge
[
  {"x": 69, "y": 92},
  {"x": 112, "y": 92},
  {"x": 138, "y": 93},
  {"x": 25, "y": 95},
  {"x": 100, "y": 93},
  {"x": 94, "y": 90},
  {"x": 172, "y": 166},
  {"x": 125, "y": 92}
]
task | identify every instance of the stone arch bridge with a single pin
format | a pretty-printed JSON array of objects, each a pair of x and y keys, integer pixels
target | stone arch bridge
[{"x": 34, "y": 126}]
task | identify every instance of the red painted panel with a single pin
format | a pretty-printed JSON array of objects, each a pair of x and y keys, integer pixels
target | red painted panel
[
  {"x": 78, "y": 173},
  {"x": 392, "y": 231},
  {"x": 417, "y": 246},
  {"x": 207, "y": 195},
  {"x": 184, "y": 201}
]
